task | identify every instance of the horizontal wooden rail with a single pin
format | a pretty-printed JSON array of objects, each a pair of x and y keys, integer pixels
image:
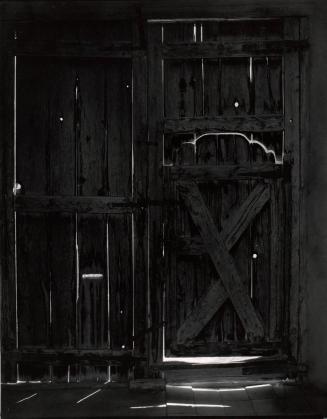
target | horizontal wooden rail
[
  {"x": 72, "y": 49},
  {"x": 225, "y": 172},
  {"x": 258, "y": 123},
  {"x": 52, "y": 355},
  {"x": 235, "y": 49},
  {"x": 83, "y": 204}
]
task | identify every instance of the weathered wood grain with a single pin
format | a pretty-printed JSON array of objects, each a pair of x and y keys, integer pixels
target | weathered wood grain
[
  {"x": 221, "y": 258},
  {"x": 232, "y": 230},
  {"x": 268, "y": 87},
  {"x": 185, "y": 78},
  {"x": 250, "y": 123},
  {"x": 235, "y": 92}
]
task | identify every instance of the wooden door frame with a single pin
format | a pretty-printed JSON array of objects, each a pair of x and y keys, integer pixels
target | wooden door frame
[{"x": 13, "y": 11}]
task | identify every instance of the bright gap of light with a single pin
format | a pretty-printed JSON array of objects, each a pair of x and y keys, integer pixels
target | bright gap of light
[
  {"x": 89, "y": 395},
  {"x": 193, "y": 405},
  {"x": 26, "y": 398},
  {"x": 211, "y": 359}
]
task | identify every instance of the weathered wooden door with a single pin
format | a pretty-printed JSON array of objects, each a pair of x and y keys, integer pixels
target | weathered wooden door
[
  {"x": 78, "y": 236},
  {"x": 225, "y": 108}
]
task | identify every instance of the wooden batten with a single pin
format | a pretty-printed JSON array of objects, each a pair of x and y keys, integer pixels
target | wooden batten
[
  {"x": 249, "y": 123},
  {"x": 237, "y": 49}
]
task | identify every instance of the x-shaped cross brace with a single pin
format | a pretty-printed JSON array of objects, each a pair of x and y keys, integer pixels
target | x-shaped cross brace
[{"x": 218, "y": 246}]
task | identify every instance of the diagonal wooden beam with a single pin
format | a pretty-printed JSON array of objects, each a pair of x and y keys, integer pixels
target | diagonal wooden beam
[{"x": 232, "y": 231}]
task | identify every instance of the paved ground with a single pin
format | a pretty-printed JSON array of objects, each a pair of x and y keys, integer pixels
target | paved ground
[{"x": 269, "y": 399}]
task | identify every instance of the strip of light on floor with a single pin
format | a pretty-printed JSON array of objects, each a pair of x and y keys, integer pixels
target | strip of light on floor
[
  {"x": 89, "y": 395},
  {"x": 26, "y": 398}
]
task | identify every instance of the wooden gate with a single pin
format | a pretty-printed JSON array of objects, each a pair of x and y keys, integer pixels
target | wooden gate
[{"x": 223, "y": 111}]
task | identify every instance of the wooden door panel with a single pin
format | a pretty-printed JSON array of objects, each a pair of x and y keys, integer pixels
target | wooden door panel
[
  {"x": 45, "y": 125},
  {"x": 33, "y": 280},
  {"x": 62, "y": 267},
  {"x": 93, "y": 282},
  {"x": 121, "y": 281}
]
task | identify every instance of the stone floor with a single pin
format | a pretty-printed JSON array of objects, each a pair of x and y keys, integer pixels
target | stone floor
[{"x": 262, "y": 399}]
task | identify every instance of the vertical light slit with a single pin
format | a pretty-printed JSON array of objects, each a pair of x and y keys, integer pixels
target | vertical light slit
[
  {"x": 133, "y": 277},
  {"x": 201, "y": 32},
  {"x": 163, "y": 108},
  {"x": 251, "y": 69},
  {"x": 162, "y": 34},
  {"x": 68, "y": 373},
  {"x": 108, "y": 278},
  {"x": 109, "y": 374},
  {"x": 202, "y": 76},
  {"x": 194, "y": 32}
]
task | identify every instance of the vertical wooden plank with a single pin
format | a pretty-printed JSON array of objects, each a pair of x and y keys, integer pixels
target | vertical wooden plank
[
  {"x": 184, "y": 77},
  {"x": 178, "y": 32},
  {"x": 139, "y": 219},
  {"x": 304, "y": 138},
  {"x": 155, "y": 115},
  {"x": 93, "y": 290},
  {"x": 267, "y": 76},
  {"x": 61, "y": 149},
  {"x": 235, "y": 86},
  {"x": 212, "y": 87},
  {"x": 33, "y": 124},
  {"x": 62, "y": 279},
  {"x": 33, "y": 280},
  {"x": 8, "y": 286},
  {"x": 261, "y": 265},
  {"x": 277, "y": 262},
  {"x": 121, "y": 281},
  {"x": 292, "y": 153},
  {"x": 119, "y": 114},
  {"x": 92, "y": 158}
]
